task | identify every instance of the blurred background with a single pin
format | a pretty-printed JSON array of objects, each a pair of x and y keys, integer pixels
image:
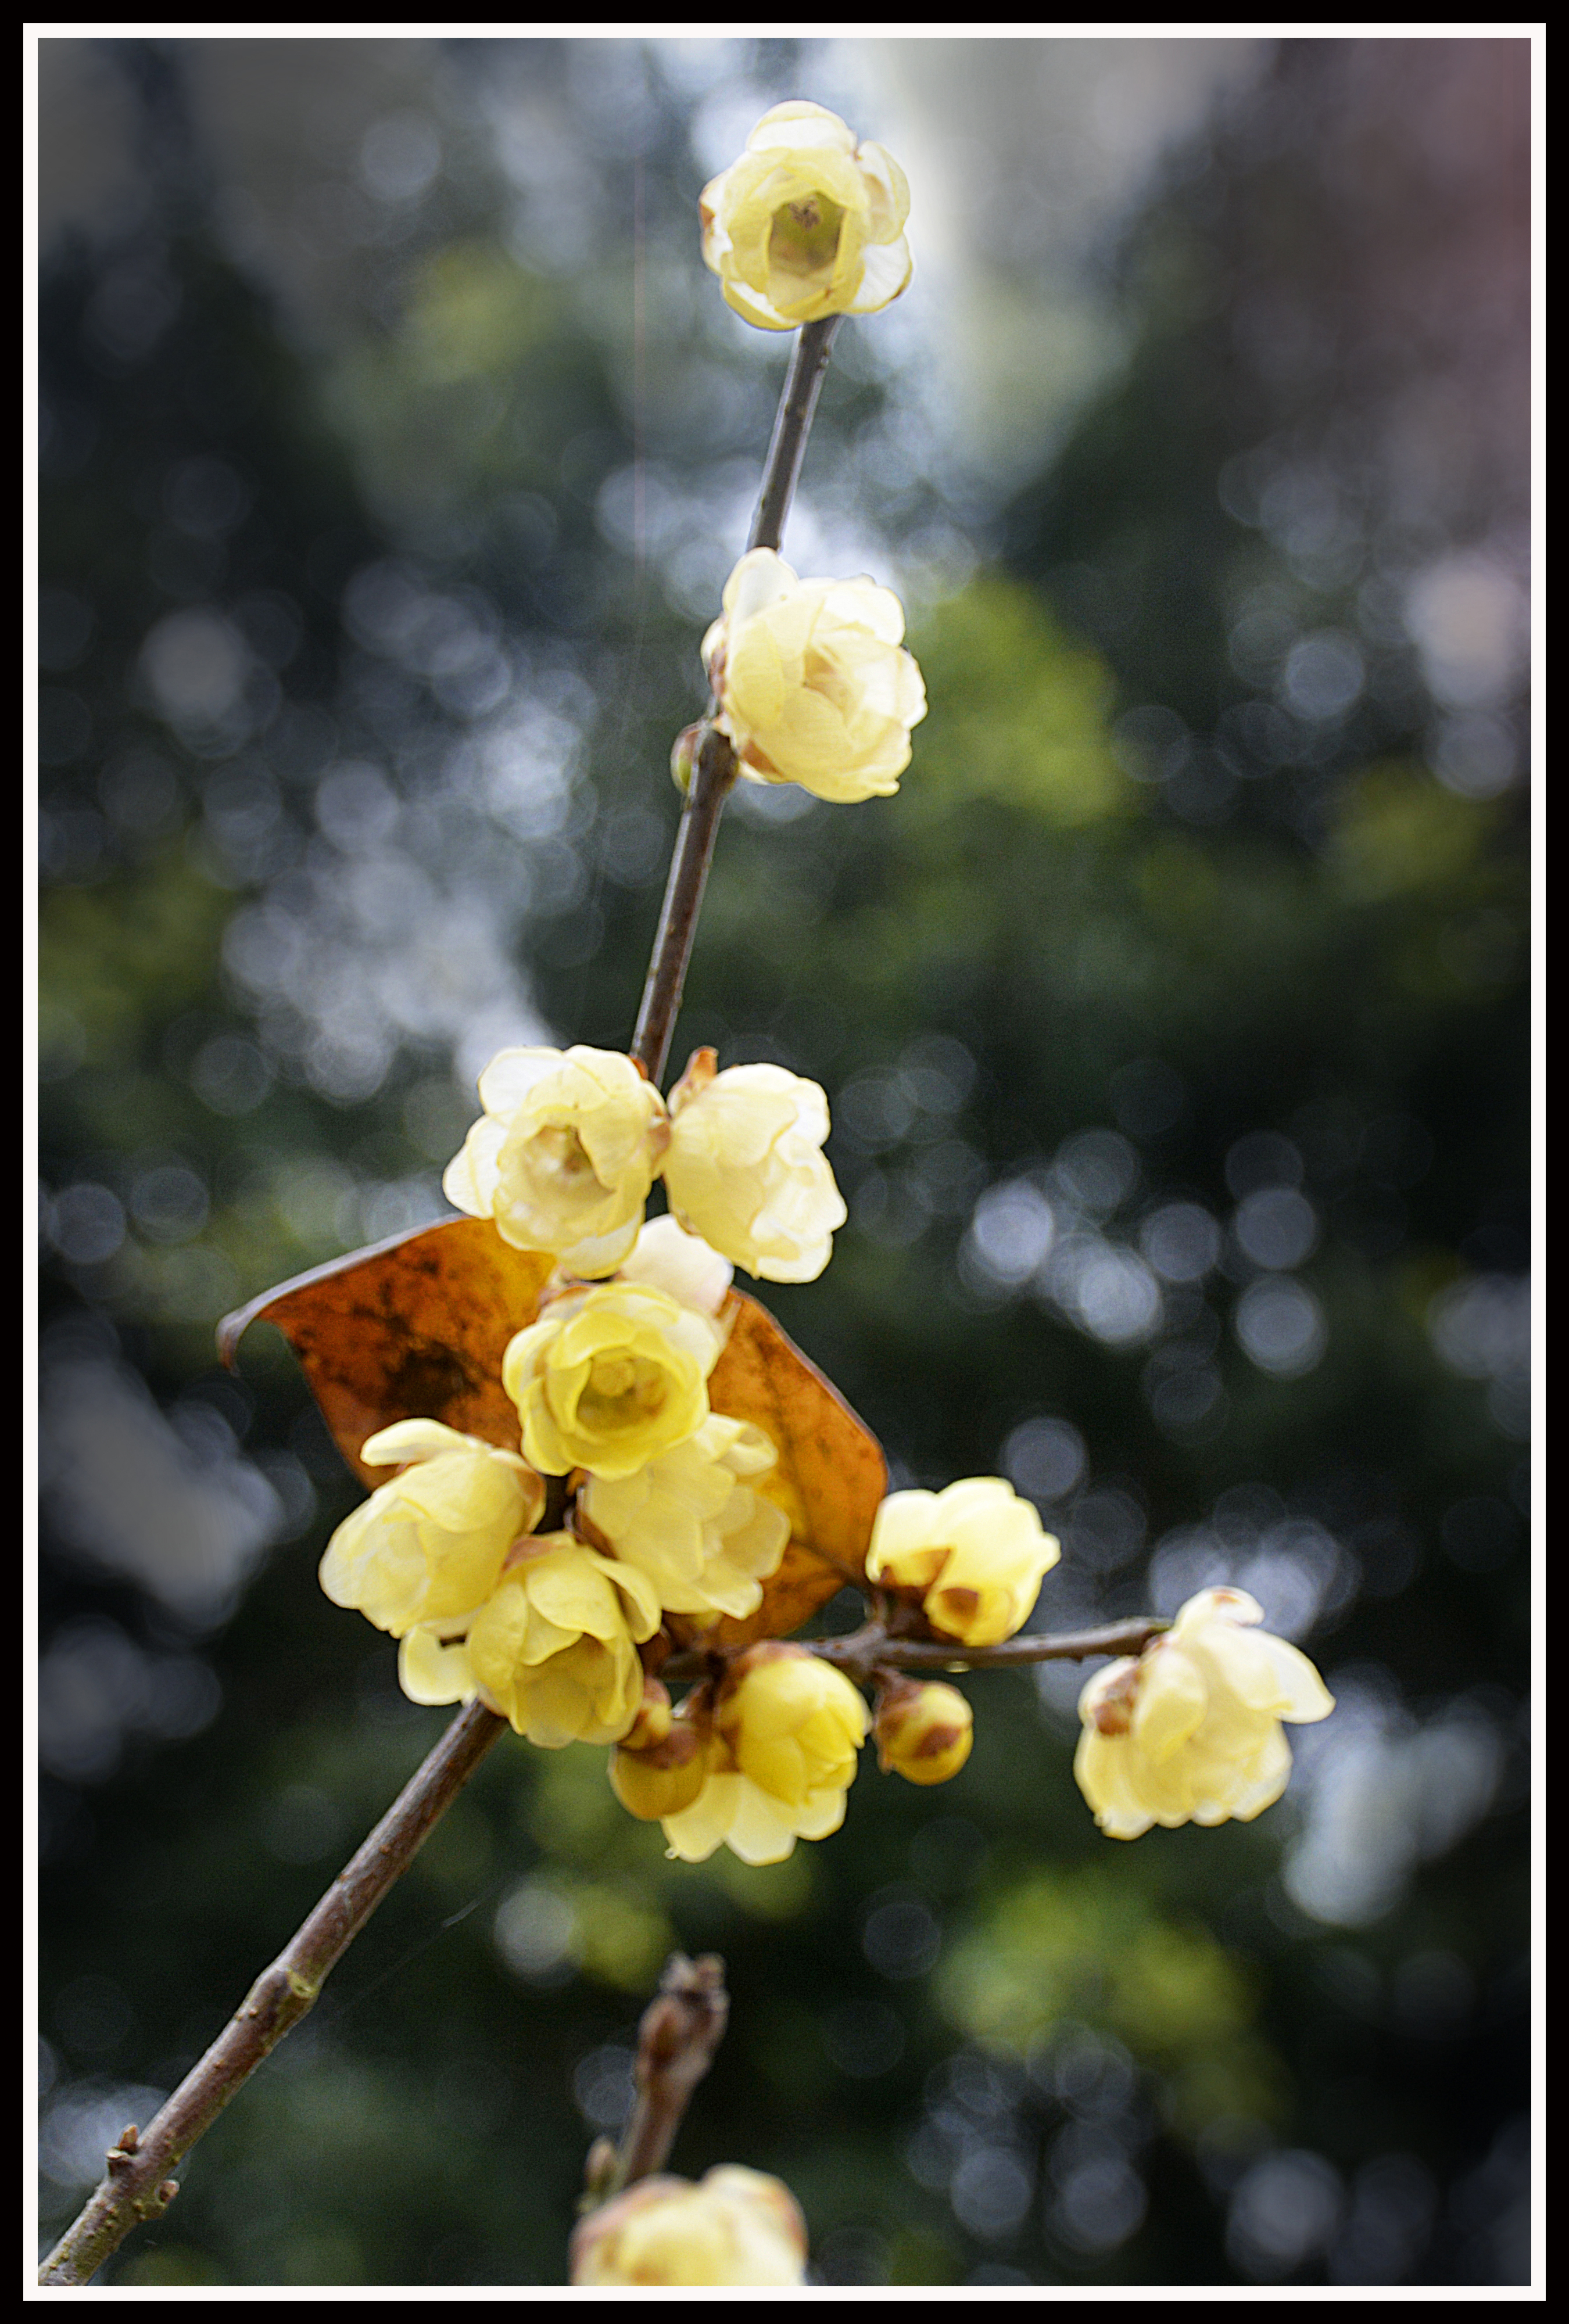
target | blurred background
[{"x": 395, "y": 445}]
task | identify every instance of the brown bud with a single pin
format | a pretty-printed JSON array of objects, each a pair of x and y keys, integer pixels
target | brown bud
[
  {"x": 924, "y": 1732},
  {"x": 663, "y": 1779}
]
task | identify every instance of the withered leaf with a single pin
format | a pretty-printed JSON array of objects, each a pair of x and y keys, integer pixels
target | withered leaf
[
  {"x": 411, "y": 1329},
  {"x": 830, "y": 1477}
]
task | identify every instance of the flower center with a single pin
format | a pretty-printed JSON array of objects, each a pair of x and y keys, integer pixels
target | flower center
[
  {"x": 622, "y": 1391},
  {"x": 804, "y": 240},
  {"x": 562, "y": 1156}
]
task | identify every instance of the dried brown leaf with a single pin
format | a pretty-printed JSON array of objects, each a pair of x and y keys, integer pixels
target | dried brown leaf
[
  {"x": 412, "y": 1328},
  {"x": 830, "y": 1477}
]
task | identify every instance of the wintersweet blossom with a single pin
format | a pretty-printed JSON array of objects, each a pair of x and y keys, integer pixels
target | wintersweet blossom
[
  {"x": 564, "y": 1155},
  {"x": 787, "y": 1730},
  {"x": 553, "y": 1649},
  {"x": 1190, "y": 1730},
  {"x": 692, "y": 1522},
  {"x": 734, "y": 2227},
  {"x": 746, "y": 1170},
  {"x": 607, "y": 1379},
  {"x": 806, "y": 223},
  {"x": 430, "y": 1545},
  {"x": 975, "y": 1551},
  {"x": 923, "y": 1732},
  {"x": 813, "y": 683}
]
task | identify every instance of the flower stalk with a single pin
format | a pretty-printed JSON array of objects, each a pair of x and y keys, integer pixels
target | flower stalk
[
  {"x": 714, "y": 765},
  {"x": 879, "y": 1646}
]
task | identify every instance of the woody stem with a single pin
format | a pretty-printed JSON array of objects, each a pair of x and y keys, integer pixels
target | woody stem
[
  {"x": 714, "y": 770},
  {"x": 137, "y": 2186},
  {"x": 874, "y": 1647}
]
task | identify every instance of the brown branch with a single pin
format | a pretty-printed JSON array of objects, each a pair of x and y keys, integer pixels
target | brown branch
[
  {"x": 138, "y": 2186},
  {"x": 715, "y": 767},
  {"x": 792, "y": 425},
  {"x": 872, "y": 1648},
  {"x": 860, "y": 1654},
  {"x": 713, "y": 779},
  {"x": 680, "y": 2030}
]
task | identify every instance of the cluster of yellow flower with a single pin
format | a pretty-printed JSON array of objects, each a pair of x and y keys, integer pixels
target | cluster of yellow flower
[
  {"x": 666, "y": 1506},
  {"x": 670, "y": 1514},
  {"x": 570, "y": 1144}
]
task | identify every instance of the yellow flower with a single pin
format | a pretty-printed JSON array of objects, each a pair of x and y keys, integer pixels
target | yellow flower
[
  {"x": 975, "y": 1551},
  {"x": 787, "y": 1728},
  {"x": 552, "y": 1649},
  {"x": 692, "y": 1524},
  {"x": 813, "y": 683},
  {"x": 746, "y": 1167},
  {"x": 806, "y": 223},
  {"x": 734, "y": 2227},
  {"x": 1190, "y": 1731},
  {"x": 924, "y": 1732},
  {"x": 564, "y": 1154},
  {"x": 430, "y": 1545},
  {"x": 608, "y": 1379}
]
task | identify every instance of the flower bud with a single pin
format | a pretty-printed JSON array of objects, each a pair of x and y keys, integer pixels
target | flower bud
[
  {"x": 787, "y": 1730},
  {"x": 608, "y": 1379},
  {"x": 745, "y": 1168},
  {"x": 564, "y": 1154},
  {"x": 1190, "y": 1730},
  {"x": 975, "y": 1553},
  {"x": 428, "y": 1547},
  {"x": 924, "y": 1732},
  {"x": 684, "y": 755},
  {"x": 813, "y": 683},
  {"x": 734, "y": 2227},
  {"x": 662, "y": 1779},
  {"x": 806, "y": 223}
]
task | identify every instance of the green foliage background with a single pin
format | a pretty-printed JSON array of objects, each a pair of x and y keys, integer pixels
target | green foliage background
[{"x": 982, "y": 2044}]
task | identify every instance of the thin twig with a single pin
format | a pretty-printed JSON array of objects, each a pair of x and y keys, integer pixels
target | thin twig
[
  {"x": 874, "y": 1647},
  {"x": 137, "y": 2186},
  {"x": 792, "y": 425},
  {"x": 712, "y": 777},
  {"x": 679, "y": 2033},
  {"x": 714, "y": 769}
]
